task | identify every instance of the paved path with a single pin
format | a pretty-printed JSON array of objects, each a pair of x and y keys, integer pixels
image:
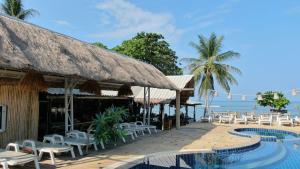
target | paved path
[{"x": 192, "y": 137}]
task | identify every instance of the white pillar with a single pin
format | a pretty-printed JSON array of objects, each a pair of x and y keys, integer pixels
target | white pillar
[{"x": 177, "y": 109}]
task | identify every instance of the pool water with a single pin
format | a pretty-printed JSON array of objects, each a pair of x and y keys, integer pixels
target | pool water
[
  {"x": 282, "y": 154},
  {"x": 265, "y": 132}
]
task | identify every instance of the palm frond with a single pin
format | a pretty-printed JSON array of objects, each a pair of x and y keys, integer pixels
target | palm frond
[
  {"x": 227, "y": 56},
  {"x": 24, "y": 14}
]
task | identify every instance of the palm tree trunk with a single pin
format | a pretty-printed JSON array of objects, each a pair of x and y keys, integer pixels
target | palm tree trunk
[{"x": 206, "y": 104}]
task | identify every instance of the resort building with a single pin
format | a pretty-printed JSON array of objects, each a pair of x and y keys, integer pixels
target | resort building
[{"x": 33, "y": 59}]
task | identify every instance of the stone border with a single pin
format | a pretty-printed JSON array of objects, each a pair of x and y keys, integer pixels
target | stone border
[
  {"x": 253, "y": 144},
  {"x": 237, "y": 131}
]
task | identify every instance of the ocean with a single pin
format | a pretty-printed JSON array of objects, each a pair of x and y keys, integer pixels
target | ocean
[{"x": 236, "y": 106}]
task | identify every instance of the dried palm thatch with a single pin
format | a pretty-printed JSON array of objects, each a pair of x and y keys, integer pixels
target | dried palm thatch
[
  {"x": 26, "y": 46},
  {"x": 125, "y": 90},
  {"x": 33, "y": 81},
  {"x": 90, "y": 86}
]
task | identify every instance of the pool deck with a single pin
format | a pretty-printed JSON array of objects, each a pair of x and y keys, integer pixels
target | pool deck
[{"x": 196, "y": 136}]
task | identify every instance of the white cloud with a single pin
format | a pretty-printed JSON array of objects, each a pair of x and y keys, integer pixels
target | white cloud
[
  {"x": 204, "y": 18},
  {"x": 62, "y": 22},
  {"x": 125, "y": 19},
  {"x": 293, "y": 10}
]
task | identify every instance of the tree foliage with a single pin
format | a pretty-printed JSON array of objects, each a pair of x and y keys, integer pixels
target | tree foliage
[
  {"x": 99, "y": 44},
  {"x": 268, "y": 100},
  {"x": 15, "y": 8},
  {"x": 106, "y": 125},
  {"x": 209, "y": 67},
  {"x": 153, "y": 49}
]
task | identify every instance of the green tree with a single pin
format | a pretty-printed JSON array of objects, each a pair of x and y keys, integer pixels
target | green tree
[
  {"x": 269, "y": 100},
  {"x": 99, "y": 44},
  {"x": 15, "y": 8},
  {"x": 210, "y": 67},
  {"x": 153, "y": 49}
]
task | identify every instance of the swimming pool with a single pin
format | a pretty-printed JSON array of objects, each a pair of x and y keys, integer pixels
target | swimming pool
[{"x": 281, "y": 153}]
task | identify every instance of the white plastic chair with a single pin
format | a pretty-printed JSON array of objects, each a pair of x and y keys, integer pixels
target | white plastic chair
[
  {"x": 285, "y": 120},
  {"x": 71, "y": 141},
  {"x": 265, "y": 120},
  {"x": 42, "y": 148},
  {"x": 243, "y": 119},
  {"x": 146, "y": 127},
  {"x": 129, "y": 132},
  {"x": 226, "y": 119},
  {"x": 13, "y": 158}
]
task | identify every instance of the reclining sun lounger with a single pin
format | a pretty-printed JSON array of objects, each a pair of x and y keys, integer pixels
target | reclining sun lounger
[
  {"x": 83, "y": 135},
  {"x": 285, "y": 120},
  {"x": 208, "y": 119},
  {"x": 243, "y": 119},
  {"x": 265, "y": 120},
  {"x": 36, "y": 146},
  {"x": 13, "y": 158},
  {"x": 128, "y": 131},
  {"x": 71, "y": 141},
  {"x": 146, "y": 127},
  {"x": 226, "y": 119}
]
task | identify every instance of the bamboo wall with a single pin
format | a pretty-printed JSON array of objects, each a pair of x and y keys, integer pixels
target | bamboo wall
[{"x": 22, "y": 114}]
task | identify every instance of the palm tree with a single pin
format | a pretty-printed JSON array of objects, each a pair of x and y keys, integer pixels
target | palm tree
[
  {"x": 15, "y": 8},
  {"x": 210, "y": 66}
]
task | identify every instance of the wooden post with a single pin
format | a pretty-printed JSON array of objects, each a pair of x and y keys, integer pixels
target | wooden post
[
  {"x": 162, "y": 111},
  {"x": 66, "y": 106},
  {"x": 144, "y": 109},
  {"x": 194, "y": 113},
  {"x": 186, "y": 111},
  {"x": 177, "y": 109},
  {"x": 148, "y": 107}
]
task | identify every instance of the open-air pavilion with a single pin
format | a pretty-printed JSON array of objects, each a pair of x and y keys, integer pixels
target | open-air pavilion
[
  {"x": 185, "y": 84},
  {"x": 33, "y": 59}
]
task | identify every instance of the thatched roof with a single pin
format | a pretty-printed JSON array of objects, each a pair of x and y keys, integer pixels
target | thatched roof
[{"x": 25, "y": 46}]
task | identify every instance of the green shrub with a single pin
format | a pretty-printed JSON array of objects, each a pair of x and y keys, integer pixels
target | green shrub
[{"x": 106, "y": 125}]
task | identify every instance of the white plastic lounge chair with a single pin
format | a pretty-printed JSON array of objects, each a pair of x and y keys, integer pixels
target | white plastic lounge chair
[
  {"x": 265, "y": 120},
  {"x": 207, "y": 119},
  {"x": 296, "y": 120},
  {"x": 13, "y": 158},
  {"x": 83, "y": 135},
  {"x": 128, "y": 131},
  {"x": 226, "y": 119},
  {"x": 4, "y": 164},
  {"x": 285, "y": 120},
  {"x": 136, "y": 128},
  {"x": 243, "y": 119},
  {"x": 71, "y": 141},
  {"x": 249, "y": 117},
  {"x": 51, "y": 149},
  {"x": 146, "y": 127}
]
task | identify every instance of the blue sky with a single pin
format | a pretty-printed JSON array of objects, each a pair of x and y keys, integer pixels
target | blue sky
[{"x": 265, "y": 33}]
